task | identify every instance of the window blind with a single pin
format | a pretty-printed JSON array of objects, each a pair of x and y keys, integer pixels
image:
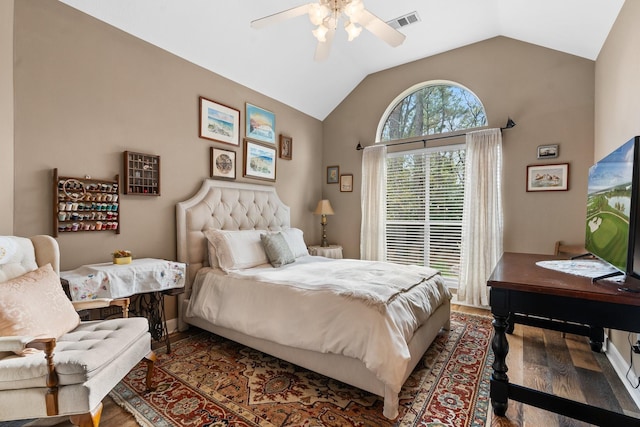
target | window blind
[{"x": 425, "y": 192}]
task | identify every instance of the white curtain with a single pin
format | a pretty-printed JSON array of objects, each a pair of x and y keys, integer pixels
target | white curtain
[
  {"x": 482, "y": 223},
  {"x": 373, "y": 244}
]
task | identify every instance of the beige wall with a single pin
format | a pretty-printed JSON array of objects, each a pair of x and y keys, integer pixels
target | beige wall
[
  {"x": 547, "y": 93},
  {"x": 6, "y": 117},
  {"x": 85, "y": 92},
  {"x": 617, "y": 117}
]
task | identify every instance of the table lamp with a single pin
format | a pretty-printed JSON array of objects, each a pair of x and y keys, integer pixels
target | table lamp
[{"x": 324, "y": 208}]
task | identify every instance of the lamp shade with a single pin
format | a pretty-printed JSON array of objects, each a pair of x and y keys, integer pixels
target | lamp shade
[{"x": 323, "y": 208}]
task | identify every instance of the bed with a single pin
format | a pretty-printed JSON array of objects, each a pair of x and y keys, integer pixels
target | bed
[{"x": 222, "y": 210}]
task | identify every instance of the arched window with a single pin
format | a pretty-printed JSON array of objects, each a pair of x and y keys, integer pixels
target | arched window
[
  {"x": 425, "y": 187},
  {"x": 429, "y": 109}
]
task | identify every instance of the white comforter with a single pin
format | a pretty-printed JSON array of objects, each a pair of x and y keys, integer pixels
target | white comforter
[{"x": 302, "y": 306}]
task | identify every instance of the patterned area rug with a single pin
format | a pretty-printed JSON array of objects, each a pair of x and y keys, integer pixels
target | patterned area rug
[{"x": 211, "y": 381}]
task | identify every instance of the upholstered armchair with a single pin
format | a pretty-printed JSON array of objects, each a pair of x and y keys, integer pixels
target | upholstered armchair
[{"x": 51, "y": 363}]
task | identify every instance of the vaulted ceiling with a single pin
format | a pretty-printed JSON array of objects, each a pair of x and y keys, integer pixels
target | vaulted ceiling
[{"x": 278, "y": 60}]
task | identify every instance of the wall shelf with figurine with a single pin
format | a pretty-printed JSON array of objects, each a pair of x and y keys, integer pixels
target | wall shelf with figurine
[
  {"x": 85, "y": 204},
  {"x": 141, "y": 174}
]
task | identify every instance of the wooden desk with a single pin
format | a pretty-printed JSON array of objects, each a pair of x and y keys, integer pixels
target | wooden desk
[{"x": 518, "y": 288}]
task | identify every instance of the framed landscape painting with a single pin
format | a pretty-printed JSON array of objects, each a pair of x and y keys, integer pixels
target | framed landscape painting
[
  {"x": 260, "y": 124},
  {"x": 259, "y": 161},
  {"x": 219, "y": 122},
  {"x": 548, "y": 177}
]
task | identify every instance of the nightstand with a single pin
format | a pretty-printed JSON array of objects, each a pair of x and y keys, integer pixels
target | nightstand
[{"x": 331, "y": 251}]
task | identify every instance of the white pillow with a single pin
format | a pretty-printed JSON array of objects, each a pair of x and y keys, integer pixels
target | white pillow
[
  {"x": 213, "y": 256},
  {"x": 237, "y": 250},
  {"x": 295, "y": 239}
]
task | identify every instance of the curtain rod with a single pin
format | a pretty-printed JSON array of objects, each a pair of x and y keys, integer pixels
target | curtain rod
[{"x": 509, "y": 125}]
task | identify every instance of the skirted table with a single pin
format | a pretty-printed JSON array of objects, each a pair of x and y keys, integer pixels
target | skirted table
[
  {"x": 331, "y": 251},
  {"x": 149, "y": 278}
]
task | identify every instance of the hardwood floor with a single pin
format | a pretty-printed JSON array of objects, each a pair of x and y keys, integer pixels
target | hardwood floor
[
  {"x": 537, "y": 358},
  {"x": 565, "y": 366}
]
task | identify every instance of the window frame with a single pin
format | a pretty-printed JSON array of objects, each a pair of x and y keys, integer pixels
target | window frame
[{"x": 411, "y": 90}]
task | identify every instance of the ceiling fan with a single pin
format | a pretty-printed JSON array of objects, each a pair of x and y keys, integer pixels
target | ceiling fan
[{"x": 325, "y": 15}]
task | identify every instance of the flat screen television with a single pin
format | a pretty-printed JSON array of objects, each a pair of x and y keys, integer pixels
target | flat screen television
[{"x": 612, "y": 223}]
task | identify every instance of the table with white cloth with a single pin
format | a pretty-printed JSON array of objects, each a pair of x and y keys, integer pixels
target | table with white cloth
[
  {"x": 331, "y": 251},
  {"x": 149, "y": 279}
]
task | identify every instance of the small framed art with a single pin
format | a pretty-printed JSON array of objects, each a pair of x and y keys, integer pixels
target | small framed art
[
  {"x": 219, "y": 122},
  {"x": 548, "y": 151},
  {"x": 223, "y": 163},
  {"x": 548, "y": 177},
  {"x": 260, "y": 124},
  {"x": 333, "y": 174},
  {"x": 259, "y": 161},
  {"x": 286, "y": 147},
  {"x": 346, "y": 182}
]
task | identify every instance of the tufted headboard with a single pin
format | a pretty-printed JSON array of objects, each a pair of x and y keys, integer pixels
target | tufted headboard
[{"x": 224, "y": 205}]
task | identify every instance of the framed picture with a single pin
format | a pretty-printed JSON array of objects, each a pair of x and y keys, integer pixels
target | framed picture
[
  {"x": 548, "y": 177},
  {"x": 346, "y": 182},
  {"x": 223, "y": 163},
  {"x": 260, "y": 124},
  {"x": 286, "y": 147},
  {"x": 333, "y": 174},
  {"x": 548, "y": 151},
  {"x": 259, "y": 161},
  {"x": 219, "y": 122}
]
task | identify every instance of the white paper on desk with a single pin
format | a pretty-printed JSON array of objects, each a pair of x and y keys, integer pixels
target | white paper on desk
[{"x": 579, "y": 267}]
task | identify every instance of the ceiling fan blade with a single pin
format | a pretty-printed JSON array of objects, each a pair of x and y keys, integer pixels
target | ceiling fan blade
[
  {"x": 281, "y": 16},
  {"x": 323, "y": 48},
  {"x": 380, "y": 28}
]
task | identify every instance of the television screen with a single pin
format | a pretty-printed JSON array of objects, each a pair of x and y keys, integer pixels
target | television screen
[{"x": 611, "y": 210}]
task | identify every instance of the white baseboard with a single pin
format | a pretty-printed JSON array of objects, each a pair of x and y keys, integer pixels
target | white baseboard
[
  {"x": 621, "y": 367},
  {"x": 172, "y": 326}
]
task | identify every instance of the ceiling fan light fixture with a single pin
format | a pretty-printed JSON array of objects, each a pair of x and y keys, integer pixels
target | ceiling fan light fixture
[
  {"x": 353, "y": 9},
  {"x": 352, "y": 30},
  {"x": 320, "y": 33},
  {"x": 317, "y": 13}
]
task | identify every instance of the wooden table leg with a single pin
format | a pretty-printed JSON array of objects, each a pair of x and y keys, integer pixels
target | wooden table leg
[{"x": 499, "y": 390}]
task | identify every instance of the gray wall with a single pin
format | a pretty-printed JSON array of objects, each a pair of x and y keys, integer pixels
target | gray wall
[
  {"x": 617, "y": 115},
  {"x": 550, "y": 95},
  {"x": 85, "y": 92},
  {"x": 6, "y": 117}
]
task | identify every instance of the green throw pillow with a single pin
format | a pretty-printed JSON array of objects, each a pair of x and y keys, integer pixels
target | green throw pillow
[{"x": 277, "y": 249}]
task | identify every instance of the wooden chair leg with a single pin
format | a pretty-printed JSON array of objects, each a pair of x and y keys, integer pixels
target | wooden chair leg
[
  {"x": 150, "y": 359},
  {"x": 89, "y": 419}
]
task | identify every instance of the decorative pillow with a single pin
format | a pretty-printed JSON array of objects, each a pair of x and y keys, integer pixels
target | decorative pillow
[
  {"x": 17, "y": 256},
  {"x": 35, "y": 305},
  {"x": 277, "y": 249},
  {"x": 213, "y": 256},
  {"x": 295, "y": 240},
  {"x": 237, "y": 249}
]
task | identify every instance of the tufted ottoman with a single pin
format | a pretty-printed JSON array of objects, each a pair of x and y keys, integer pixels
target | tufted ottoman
[{"x": 89, "y": 361}]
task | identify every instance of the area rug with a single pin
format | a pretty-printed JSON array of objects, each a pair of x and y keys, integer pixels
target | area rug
[{"x": 210, "y": 381}]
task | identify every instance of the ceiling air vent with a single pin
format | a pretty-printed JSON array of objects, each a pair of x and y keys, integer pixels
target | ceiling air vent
[{"x": 403, "y": 21}]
